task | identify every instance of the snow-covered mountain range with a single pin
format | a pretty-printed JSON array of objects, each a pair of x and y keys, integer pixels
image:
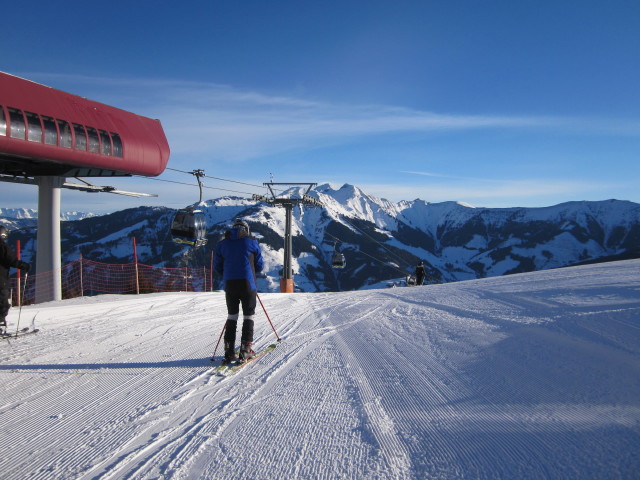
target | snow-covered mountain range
[
  {"x": 381, "y": 240},
  {"x": 26, "y": 217}
]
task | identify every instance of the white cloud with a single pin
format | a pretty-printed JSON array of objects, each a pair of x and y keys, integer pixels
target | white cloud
[
  {"x": 445, "y": 176},
  {"x": 486, "y": 193},
  {"x": 233, "y": 124}
]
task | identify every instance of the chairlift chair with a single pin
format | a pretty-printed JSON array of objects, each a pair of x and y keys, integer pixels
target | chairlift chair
[
  {"x": 338, "y": 260},
  {"x": 189, "y": 227}
]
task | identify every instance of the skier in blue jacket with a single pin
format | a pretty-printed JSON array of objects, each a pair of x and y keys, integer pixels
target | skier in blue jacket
[{"x": 238, "y": 259}]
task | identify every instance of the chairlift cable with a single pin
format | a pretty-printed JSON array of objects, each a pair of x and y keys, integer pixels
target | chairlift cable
[
  {"x": 195, "y": 185},
  {"x": 373, "y": 239},
  {"x": 388, "y": 264},
  {"x": 218, "y": 178},
  {"x": 222, "y": 179},
  {"x": 201, "y": 174}
]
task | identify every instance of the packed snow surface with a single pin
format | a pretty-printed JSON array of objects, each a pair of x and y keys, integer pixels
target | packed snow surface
[{"x": 526, "y": 376}]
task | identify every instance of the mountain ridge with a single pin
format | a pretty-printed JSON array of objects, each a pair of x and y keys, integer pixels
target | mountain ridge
[{"x": 381, "y": 240}]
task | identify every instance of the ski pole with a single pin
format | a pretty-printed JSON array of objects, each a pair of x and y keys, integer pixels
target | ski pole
[
  {"x": 265, "y": 312},
  {"x": 24, "y": 291},
  {"x": 219, "y": 338}
]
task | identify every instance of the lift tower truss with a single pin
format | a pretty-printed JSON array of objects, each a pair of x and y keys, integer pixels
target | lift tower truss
[{"x": 286, "y": 282}]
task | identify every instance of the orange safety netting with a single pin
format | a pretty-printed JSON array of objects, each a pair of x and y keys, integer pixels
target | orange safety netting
[{"x": 87, "y": 277}]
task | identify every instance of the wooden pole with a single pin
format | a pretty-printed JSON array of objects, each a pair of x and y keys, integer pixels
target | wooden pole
[
  {"x": 81, "y": 278},
  {"x": 19, "y": 272},
  {"x": 135, "y": 258}
]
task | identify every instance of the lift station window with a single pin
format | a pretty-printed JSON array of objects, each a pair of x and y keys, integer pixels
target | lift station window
[
  {"x": 105, "y": 141},
  {"x": 117, "y": 145},
  {"x": 35, "y": 127},
  {"x": 94, "y": 142},
  {"x": 18, "y": 129},
  {"x": 65, "y": 133},
  {"x": 81, "y": 137},
  {"x": 50, "y": 131}
]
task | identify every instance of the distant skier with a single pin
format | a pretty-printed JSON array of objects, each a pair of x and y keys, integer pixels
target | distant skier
[
  {"x": 8, "y": 259},
  {"x": 238, "y": 259},
  {"x": 420, "y": 273}
]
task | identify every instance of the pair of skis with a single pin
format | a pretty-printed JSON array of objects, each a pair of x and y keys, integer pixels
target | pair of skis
[
  {"x": 227, "y": 369},
  {"x": 230, "y": 368},
  {"x": 19, "y": 333}
]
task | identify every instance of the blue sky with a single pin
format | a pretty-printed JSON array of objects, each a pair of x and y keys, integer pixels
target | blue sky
[{"x": 496, "y": 103}]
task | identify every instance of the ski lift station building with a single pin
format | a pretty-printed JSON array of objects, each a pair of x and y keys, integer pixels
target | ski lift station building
[{"x": 47, "y": 135}]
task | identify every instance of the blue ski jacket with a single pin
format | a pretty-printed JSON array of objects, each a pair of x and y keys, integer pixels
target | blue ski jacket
[{"x": 238, "y": 257}]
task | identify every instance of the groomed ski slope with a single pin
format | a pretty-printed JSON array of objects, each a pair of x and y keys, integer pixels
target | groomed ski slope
[{"x": 526, "y": 376}]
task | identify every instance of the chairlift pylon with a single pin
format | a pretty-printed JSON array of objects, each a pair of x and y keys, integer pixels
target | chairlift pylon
[{"x": 189, "y": 226}]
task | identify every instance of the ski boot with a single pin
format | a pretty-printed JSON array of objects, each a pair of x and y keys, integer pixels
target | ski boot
[
  {"x": 3, "y": 328},
  {"x": 229, "y": 353},
  {"x": 246, "y": 352}
]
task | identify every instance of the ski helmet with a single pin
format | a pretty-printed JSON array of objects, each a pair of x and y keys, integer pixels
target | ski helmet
[
  {"x": 4, "y": 233},
  {"x": 241, "y": 224}
]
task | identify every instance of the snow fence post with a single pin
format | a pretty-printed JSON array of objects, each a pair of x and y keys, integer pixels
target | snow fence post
[
  {"x": 18, "y": 254},
  {"x": 26, "y": 275},
  {"x": 135, "y": 259},
  {"x": 81, "y": 278},
  {"x": 211, "y": 273}
]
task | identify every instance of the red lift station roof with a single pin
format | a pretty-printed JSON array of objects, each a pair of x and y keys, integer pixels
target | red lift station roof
[{"x": 44, "y": 131}]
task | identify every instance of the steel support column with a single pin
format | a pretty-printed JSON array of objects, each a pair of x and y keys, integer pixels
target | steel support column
[
  {"x": 48, "y": 254},
  {"x": 286, "y": 283}
]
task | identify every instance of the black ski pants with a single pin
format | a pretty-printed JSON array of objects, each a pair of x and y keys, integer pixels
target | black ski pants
[
  {"x": 4, "y": 302},
  {"x": 237, "y": 293}
]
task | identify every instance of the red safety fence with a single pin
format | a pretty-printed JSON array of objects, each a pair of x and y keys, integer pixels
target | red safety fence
[{"x": 86, "y": 278}]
